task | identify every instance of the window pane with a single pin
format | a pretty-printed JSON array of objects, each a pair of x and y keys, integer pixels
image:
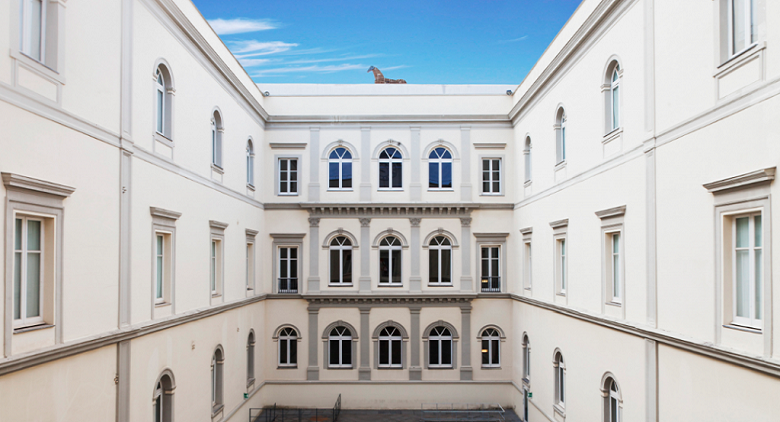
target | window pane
[
  {"x": 334, "y": 352},
  {"x": 446, "y": 352},
  {"x": 333, "y": 175},
  {"x": 615, "y": 107},
  {"x": 446, "y": 175},
  {"x": 35, "y": 29},
  {"x": 346, "y": 175},
  {"x": 485, "y": 166},
  {"x": 160, "y": 97},
  {"x": 743, "y": 283},
  {"x": 496, "y": 186},
  {"x": 433, "y": 355},
  {"x": 293, "y": 351},
  {"x": 346, "y": 352},
  {"x": 384, "y": 266},
  {"x": 446, "y": 266},
  {"x": 396, "y": 266},
  {"x": 18, "y": 235},
  {"x": 758, "y": 285},
  {"x": 33, "y": 235},
  {"x": 486, "y": 186},
  {"x": 384, "y": 352},
  {"x": 396, "y": 356},
  {"x": 293, "y": 187},
  {"x": 384, "y": 175},
  {"x": 17, "y": 285},
  {"x": 283, "y": 351},
  {"x": 433, "y": 175},
  {"x": 283, "y": 166},
  {"x": 294, "y": 168},
  {"x": 33, "y": 299},
  {"x": 433, "y": 266},
  {"x": 159, "y": 277},
  {"x": 397, "y": 174},
  {"x": 494, "y": 352},
  {"x": 757, "y": 231},
  {"x": 347, "y": 266},
  {"x": 753, "y": 25},
  {"x": 743, "y": 232},
  {"x": 738, "y": 25},
  {"x": 334, "y": 267},
  {"x": 485, "y": 352}
]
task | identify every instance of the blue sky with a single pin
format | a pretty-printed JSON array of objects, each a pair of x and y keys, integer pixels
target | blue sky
[{"x": 422, "y": 41}]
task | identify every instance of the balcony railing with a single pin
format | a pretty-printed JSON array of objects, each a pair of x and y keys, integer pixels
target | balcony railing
[
  {"x": 491, "y": 284},
  {"x": 288, "y": 285}
]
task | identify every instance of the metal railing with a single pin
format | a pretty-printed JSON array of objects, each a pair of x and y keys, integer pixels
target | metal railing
[
  {"x": 451, "y": 412},
  {"x": 288, "y": 285},
  {"x": 491, "y": 284},
  {"x": 287, "y": 414}
]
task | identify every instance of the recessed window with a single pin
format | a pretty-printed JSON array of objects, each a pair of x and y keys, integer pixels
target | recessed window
[
  {"x": 527, "y": 158},
  {"x": 340, "y": 261},
  {"x": 250, "y": 266},
  {"x": 561, "y": 270},
  {"x": 340, "y": 348},
  {"x": 614, "y": 264},
  {"x": 615, "y": 97},
  {"x": 217, "y": 361},
  {"x": 163, "y": 270},
  {"x": 440, "y": 169},
  {"x": 440, "y": 261},
  {"x": 340, "y": 169},
  {"x": 216, "y": 267},
  {"x": 491, "y": 176},
  {"x": 288, "y": 347},
  {"x": 613, "y": 410},
  {"x": 560, "y": 135},
  {"x": 163, "y": 101},
  {"x": 742, "y": 25},
  {"x": 390, "y": 261},
  {"x": 29, "y": 269},
  {"x": 490, "y": 261},
  {"x": 491, "y": 348},
  {"x": 288, "y": 270},
  {"x": 390, "y": 341},
  {"x": 560, "y": 381},
  {"x": 288, "y": 176},
  {"x": 250, "y": 358},
  {"x": 528, "y": 268},
  {"x": 163, "y": 399},
  {"x": 250, "y": 163},
  {"x": 440, "y": 348},
  {"x": 390, "y": 169},
  {"x": 526, "y": 359},
  {"x": 747, "y": 269},
  {"x": 216, "y": 139}
]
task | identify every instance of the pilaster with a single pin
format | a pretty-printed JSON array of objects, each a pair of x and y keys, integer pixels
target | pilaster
[
  {"x": 415, "y": 186},
  {"x": 415, "y": 281},
  {"x": 364, "y": 372},
  {"x": 365, "y": 256},
  {"x": 465, "y": 163},
  {"x": 365, "y": 164},
  {"x": 415, "y": 370},
  {"x": 313, "y": 284},
  {"x": 313, "y": 371},
  {"x": 314, "y": 164},
  {"x": 465, "y": 326},
  {"x": 466, "y": 280}
]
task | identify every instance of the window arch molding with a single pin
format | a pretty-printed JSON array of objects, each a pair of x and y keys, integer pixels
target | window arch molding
[
  {"x": 377, "y": 336},
  {"x": 339, "y": 323},
  {"x": 169, "y": 92},
  {"x": 440, "y": 232},
  {"x": 440, "y": 323},
  {"x": 217, "y": 374},
  {"x": 279, "y": 329},
  {"x": 250, "y": 161},
  {"x": 501, "y": 334},
  {"x": 390, "y": 232},
  {"x": 340, "y": 232},
  {"x": 612, "y": 121},
  {"x": 218, "y": 130},
  {"x": 561, "y": 118},
  {"x": 526, "y": 359},
  {"x": 343, "y": 144},
  {"x": 607, "y": 380},
  {"x": 251, "y": 341},
  {"x": 390, "y": 143},
  {"x": 441, "y": 143},
  {"x": 559, "y": 370},
  {"x": 168, "y": 386},
  {"x": 527, "y": 147},
  {"x": 426, "y": 343},
  {"x": 390, "y": 323}
]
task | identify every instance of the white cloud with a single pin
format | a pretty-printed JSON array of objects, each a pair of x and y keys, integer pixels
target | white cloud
[
  {"x": 254, "y": 62},
  {"x": 513, "y": 40},
  {"x": 257, "y": 48},
  {"x": 334, "y": 59},
  {"x": 310, "y": 69},
  {"x": 240, "y": 25}
]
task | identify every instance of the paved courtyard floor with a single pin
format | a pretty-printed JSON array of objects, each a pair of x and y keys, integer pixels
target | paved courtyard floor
[{"x": 381, "y": 416}]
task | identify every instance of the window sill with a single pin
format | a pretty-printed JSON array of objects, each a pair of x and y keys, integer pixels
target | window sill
[
  {"x": 159, "y": 137},
  {"x": 440, "y": 285},
  {"x": 753, "y": 330},
  {"x": 340, "y": 285},
  {"x": 213, "y": 295},
  {"x": 249, "y": 289},
  {"x": 527, "y": 183},
  {"x": 162, "y": 304},
  {"x": 391, "y": 285},
  {"x": 611, "y": 135},
  {"x": 41, "y": 326},
  {"x": 383, "y": 368},
  {"x": 390, "y": 189},
  {"x": 491, "y": 194},
  {"x": 441, "y": 189},
  {"x": 287, "y": 194},
  {"x": 217, "y": 168},
  {"x": 490, "y": 368},
  {"x": 560, "y": 165},
  {"x": 439, "y": 367},
  {"x": 527, "y": 288},
  {"x": 340, "y": 190},
  {"x": 559, "y": 410},
  {"x": 287, "y": 366},
  {"x": 250, "y": 187},
  {"x": 736, "y": 57},
  {"x": 526, "y": 381},
  {"x": 341, "y": 367},
  {"x": 250, "y": 382},
  {"x": 562, "y": 294},
  {"x": 613, "y": 303},
  {"x": 38, "y": 66},
  {"x": 216, "y": 409}
]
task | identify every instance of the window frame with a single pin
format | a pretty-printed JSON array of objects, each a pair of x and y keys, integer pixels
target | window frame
[
  {"x": 750, "y": 22},
  {"x": 389, "y": 249},
  {"x": 167, "y": 272},
  {"x": 561, "y": 266},
  {"x": 440, "y": 338},
  {"x": 753, "y": 320},
  {"x": 346, "y": 336},
  {"x": 217, "y": 259},
  {"x": 24, "y": 320},
  {"x": 494, "y": 339},
  {"x": 526, "y": 359},
  {"x": 489, "y": 288},
  {"x": 284, "y": 336},
  {"x": 24, "y": 35},
  {"x": 217, "y": 380},
  {"x": 439, "y": 160},
  {"x": 527, "y": 258},
  {"x": 217, "y": 131},
  {"x": 341, "y": 249},
  {"x": 559, "y": 369},
  {"x": 250, "y": 163},
  {"x": 527, "y": 160},
  {"x": 389, "y": 162},
  {"x": 561, "y": 118},
  {"x": 340, "y": 163},
  {"x": 614, "y": 95},
  {"x": 492, "y": 172},
  {"x": 291, "y": 263},
  {"x": 388, "y": 340},
  {"x": 440, "y": 249},
  {"x": 250, "y": 358},
  {"x": 279, "y": 171}
]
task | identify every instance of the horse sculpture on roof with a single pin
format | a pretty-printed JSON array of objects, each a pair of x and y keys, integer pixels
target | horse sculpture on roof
[{"x": 379, "y": 78}]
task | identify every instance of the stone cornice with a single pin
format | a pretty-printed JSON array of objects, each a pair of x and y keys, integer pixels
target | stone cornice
[
  {"x": 390, "y": 118},
  {"x": 161, "y": 212},
  {"x": 611, "y": 212},
  {"x": 12, "y": 180},
  {"x": 742, "y": 180},
  {"x": 287, "y": 145},
  {"x": 559, "y": 223},
  {"x": 214, "y": 224},
  {"x": 352, "y": 300},
  {"x": 368, "y": 210}
]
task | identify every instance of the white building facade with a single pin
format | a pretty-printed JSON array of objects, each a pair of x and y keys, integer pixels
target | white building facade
[{"x": 593, "y": 244}]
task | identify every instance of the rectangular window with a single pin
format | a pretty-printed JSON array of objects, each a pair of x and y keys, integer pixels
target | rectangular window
[
  {"x": 250, "y": 266},
  {"x": 288, "y": 269},
  {"x": 288, "y": 176},
  {"x": 561, "y": 271},
  {"x": 528, "y": 270},
  {"x": 747, "y": 269},
  {"x": 162, "y": 267},
  {"x": 491, "y": 280},
  {"x": 491, "y": 176},
  {"x": 613, "y": 266},
  {"x": 29, "y": 259},
  {"x": 216, "y": 267},
  {"x": 33, "y": 23},
  {"x": 742, "y": 25}
]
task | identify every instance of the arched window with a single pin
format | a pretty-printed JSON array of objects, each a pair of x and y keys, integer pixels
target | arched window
[
  {"x": 217, "y": 361},
  {"x": 163, "y": 99},
  {"x": 163, "y": 398},
  {"x": 526, "y": 359},
  {"x": 340, "y": 348},
  {"x": 560, "y": 136},
  {"x": 250, "y": 163},
  {"x": 440, "y": 348},
  {"x": 560, "y": 380},
  {"x": 216, "y": 139},
  {"x": 340, "y": 260},
  {"x": 440, "y": 261},
  {"x": 491, "y": 348},
  {"x": 440, "y": 169},
  {"x": 615, "y": 98},
  {"x": 613, "y": 404},
  {"x": 527, "y": 157},
  {"x": 390, "y": 168},
  {"x": 390, "y": 341},
  {"x": 340, "y": 169},
  {"x": 288, "y": 347},
  {"x": 250, "y": 358},
  {"x": 390, "y": 261}
]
